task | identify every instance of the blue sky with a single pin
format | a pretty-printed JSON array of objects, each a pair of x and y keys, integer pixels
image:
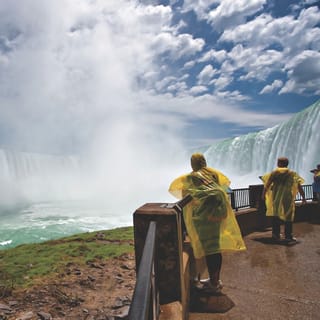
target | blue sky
[{"x": 80, "y": 75}]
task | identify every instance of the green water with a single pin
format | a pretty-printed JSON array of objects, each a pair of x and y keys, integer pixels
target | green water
[{"x": 45, "y": 221}]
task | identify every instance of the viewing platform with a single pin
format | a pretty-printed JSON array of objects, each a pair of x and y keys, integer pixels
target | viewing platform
[{"x": 270, "y": 280}]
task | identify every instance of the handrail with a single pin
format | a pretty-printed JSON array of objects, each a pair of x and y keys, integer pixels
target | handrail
[
  {"x": 145, "y": 300},
  {"x": 308, "y": 190},
  {"x": 183, "y": 202},
  {"x": 240, "y": 198},
  {"x": 141, "y": 307}
]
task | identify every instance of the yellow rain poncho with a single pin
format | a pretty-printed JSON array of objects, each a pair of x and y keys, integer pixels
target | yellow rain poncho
[
  {"x": 209, "y": 218},
  {"x": 282, "y": 188}
]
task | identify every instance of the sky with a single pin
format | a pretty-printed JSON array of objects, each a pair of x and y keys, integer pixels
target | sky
[
  {"x": 129, "y": 86},
  {"x": 81, "y": 76}
]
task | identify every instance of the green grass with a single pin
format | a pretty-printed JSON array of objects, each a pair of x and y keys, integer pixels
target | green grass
[{"x": 19, "y": 266}]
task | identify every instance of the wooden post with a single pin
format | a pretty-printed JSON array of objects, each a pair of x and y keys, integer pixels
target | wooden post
[{"x": 168, "y": 255}]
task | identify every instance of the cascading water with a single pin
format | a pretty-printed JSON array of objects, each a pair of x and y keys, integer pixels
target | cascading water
[
  {"x": 246, "y": 157},
  {"x": 33, "y": 177},
  {"x": 44, "y": 197},
  {"x": 20, "y": 165},
  {"x": 33, "y": 190}
]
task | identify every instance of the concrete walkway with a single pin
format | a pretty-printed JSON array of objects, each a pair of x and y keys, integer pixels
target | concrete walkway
[{"x": 269, "y": 280}]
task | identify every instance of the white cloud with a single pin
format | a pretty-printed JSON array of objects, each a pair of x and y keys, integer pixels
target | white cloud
[
  {"x": 250, "y": 61},
  {"x": 276, "y": 84},
  {"x": 223, "y": 13},
  {"x": 177, "y": 46},
  {"x": 230, "y": 13},
  {"x": 227, "y": 67},
  {"x": 184, "y": 109},
  {"x": 303, "y": 73},
  {"x": 290, "y": 33},
  {"x": 200, "y": 7},
  {"x": 152, "y": 17},
  {"x": 235, "y": 95},
  {"x": 189, "y": 64},
  {"x": 180, "y": 87},
  {"x": 197, "y": 90},
  {"x": 311, "y": 1},
  {"x": 254, "y": 63},
  {"x": 206, "y": 74},
  {"x": 164, "y": 83},
  {"x": 262, "y": 31},
  {"x": 222, "y": 82},
  {"x": 212, "y": 54},
  {"x": 289, "y": 36}
]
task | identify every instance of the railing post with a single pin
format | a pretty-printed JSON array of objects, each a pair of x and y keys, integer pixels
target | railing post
[
  {"x": 255, "y": 193},
  {"x": 167, "y": 249},
  {"x": 169, "y": 239},
  {"x": 232, "y": 201}
]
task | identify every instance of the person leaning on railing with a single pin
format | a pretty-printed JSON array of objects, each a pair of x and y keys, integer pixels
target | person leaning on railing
[
  {"x": 210, "y": 221},
  {"x": 316, "y": 183},
  {"x": 280, "y": 189}
]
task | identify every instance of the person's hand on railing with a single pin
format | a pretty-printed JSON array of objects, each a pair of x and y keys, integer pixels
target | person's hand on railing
[{"x": 302, "y": 193}]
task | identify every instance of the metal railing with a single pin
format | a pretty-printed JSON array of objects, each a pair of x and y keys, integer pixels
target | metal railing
[
  {"x": 308, "y": 190},
  {"x": 240, "y": 198},
  {"x": 145, "y": 302}
]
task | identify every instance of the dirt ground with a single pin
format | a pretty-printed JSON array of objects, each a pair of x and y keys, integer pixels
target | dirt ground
[{"x": 96, "y": 291}]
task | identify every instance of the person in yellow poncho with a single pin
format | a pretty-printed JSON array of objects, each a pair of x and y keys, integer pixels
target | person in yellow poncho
[
  {"x": 210, "y": 221},
  {"x": 280, "y": 189}
]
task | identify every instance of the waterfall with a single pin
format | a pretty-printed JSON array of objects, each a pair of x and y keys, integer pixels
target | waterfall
[
  {"x": 246, "y": 157},
  {"x": 35, "y": 177},
  {"x": 41, "y": 177},
  {"x": 16, "y": 165}
]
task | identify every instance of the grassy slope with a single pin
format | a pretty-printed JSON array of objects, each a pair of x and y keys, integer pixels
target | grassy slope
[{"x": 23, "y": 265}]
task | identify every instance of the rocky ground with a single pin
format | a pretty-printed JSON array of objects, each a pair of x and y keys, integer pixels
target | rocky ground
[{"x": 98, "y": 291}]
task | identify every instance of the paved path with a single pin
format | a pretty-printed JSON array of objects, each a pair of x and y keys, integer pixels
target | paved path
[{"x": 269, "y": 280}]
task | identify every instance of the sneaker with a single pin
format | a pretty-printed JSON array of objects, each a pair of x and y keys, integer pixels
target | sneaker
[
  {"x": 210, "y": 288},
  {"x": 291, "y": 240},
  {"x": 219, "y": 284},
  {"x": 276, "y": 237},
  {"x": 200, "y": 283},
  {"x": 205, "y": 280}
]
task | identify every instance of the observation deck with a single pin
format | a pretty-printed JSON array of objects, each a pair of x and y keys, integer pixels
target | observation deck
[{"x": 270, "y": 280}]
